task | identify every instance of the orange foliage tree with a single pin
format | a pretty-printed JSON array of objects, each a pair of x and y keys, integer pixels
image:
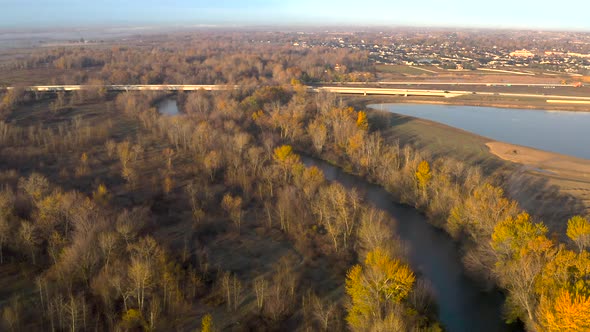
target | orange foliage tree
[{"x": 567, "y": 312}]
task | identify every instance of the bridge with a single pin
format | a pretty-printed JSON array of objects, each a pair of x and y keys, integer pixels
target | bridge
[
  {"x": 365, "y": 91},
  {"x": 388, "y": 91},
  {"x": 183, "y": 87},
  {"x": 135, "y": 87}
]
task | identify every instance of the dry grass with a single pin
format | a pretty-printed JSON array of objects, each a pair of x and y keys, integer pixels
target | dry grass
[{"x": 559, "y": 175}]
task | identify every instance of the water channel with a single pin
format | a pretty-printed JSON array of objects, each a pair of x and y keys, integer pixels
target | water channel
[
  {"x": 556, "y": 131},
  {"x": 434, "y": 255},
  {"x": 168, "y": 107}
]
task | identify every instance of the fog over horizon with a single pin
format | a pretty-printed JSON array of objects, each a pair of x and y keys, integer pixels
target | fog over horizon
[{"x": 501, "y": 14}]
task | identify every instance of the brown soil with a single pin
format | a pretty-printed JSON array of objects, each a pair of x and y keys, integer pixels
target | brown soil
[{"x": 542, "y": 177}]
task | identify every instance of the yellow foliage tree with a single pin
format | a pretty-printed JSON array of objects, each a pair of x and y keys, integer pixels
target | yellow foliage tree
[
  {"x": 286, "y": 159},
  {"x": 101, "y": 194},
  {"x": 354, "y": 145},
  {"x": 480, "y": 212},
  {"x": 133, "y": 319},
  {"x": 283, "y": 153},
  {"x": 522, "y": 250},
  {"x": 567, "y": 312},
  {"x": 83, "y": 167},
  {"x": 207, "y": 323},
  {"x": 578, "y": 230},
  {"x": 48, "y": 209},
  {"x": 423, "y": 174},
  {"x": 361, "y": 120},
  {"x": 258, "y": 115},
  {"x": 514, "y": 236},
  {"x": 565, "y": 270},
  {"x": 375, "y": 287}
]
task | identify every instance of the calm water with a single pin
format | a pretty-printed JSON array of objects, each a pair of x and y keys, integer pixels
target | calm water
[
  {"x": 434, "y": 255},
  {"x": 168, "y": 107},
  {"x": 556, "y": 131}
]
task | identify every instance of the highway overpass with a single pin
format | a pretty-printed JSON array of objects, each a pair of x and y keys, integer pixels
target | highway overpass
[
  {"x": 387, "y": 91},
  {"x": 365, "y": 91},
  {"x": 136, "y": 87},
  {"x": 177, "y": 87}
]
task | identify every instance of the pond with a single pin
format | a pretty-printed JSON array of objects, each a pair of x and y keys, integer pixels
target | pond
[
  {"x": 435, "y": 256},
  {"x": 556, "y": 131}
]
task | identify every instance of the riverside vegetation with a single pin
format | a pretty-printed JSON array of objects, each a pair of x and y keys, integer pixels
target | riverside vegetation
[{"x": 114, "y": 217}]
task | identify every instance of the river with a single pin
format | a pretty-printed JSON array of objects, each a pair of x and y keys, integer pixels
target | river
[
  {"x": 168, "y": 107},
  {"x": 556, "y": 131},
  {"x": 462, "y": 305}
]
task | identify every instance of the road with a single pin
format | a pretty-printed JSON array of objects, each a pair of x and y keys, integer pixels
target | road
[
  {"x": 451, "y": 83},
  {"x": 333, "y": 89},
  {"x": 135, "y": 87}
]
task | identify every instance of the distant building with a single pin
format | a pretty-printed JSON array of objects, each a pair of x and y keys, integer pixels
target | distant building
[
  {"x": 578, "y": 55},
  {"x": 568, "y": 54},
  {"x": 522, "y": 54}
]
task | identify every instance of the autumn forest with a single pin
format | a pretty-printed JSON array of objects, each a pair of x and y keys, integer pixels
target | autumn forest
[{"x": 114, "y": 217}]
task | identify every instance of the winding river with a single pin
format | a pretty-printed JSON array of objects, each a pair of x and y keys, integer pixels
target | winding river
[
  {"x": 556, "y": 131},
  {"x": 433, "y": 254},
  {"x": 463, "y": 307}
]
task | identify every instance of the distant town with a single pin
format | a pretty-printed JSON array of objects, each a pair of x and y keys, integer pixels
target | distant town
[{"x": 558, "y": 52}]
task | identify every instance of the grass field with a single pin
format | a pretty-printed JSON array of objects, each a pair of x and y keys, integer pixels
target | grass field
[{"x": 406, "y": 70}]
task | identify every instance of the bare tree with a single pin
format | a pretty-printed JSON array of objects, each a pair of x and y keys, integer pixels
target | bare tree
[
  {"x": 318, "y": 133},
  {"x": 107, "y": 242},
  {"x": 29, "y": 239},
  {"x": 141, "y": 276},
  {"x": 323, "y": 311},
  {"x": 260, "y": 286},
  {"x": 6, "y": 205},
  {"x": 233, "y": 206},
  {"x": 193, "y": 189},
  {"x": 232, "y": 288},
  {"x": 35, "y": 186}
]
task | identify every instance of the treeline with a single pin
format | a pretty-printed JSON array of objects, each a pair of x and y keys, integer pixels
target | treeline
[{"x": 204, "y": 58}]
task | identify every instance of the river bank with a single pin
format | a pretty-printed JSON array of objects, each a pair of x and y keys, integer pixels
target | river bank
[
  {"x": 479, "y": 100},
  {"x": 551, "y": 187},
  {"x": 434, "y": 255}
]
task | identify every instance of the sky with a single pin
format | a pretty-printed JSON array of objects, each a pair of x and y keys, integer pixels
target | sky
[{"x": 527, "y": 14}]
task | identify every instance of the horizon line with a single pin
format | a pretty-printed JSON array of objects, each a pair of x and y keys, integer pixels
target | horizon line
[{"x": 307, "y": 26}]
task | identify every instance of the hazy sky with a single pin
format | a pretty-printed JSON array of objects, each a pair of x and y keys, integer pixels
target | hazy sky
[{"x": 540, "y": 14}]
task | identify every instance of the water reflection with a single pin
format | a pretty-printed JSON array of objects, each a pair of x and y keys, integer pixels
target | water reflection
[
  {"x": 561, "y": 132},
  {"x": 168, "y": 107}
]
